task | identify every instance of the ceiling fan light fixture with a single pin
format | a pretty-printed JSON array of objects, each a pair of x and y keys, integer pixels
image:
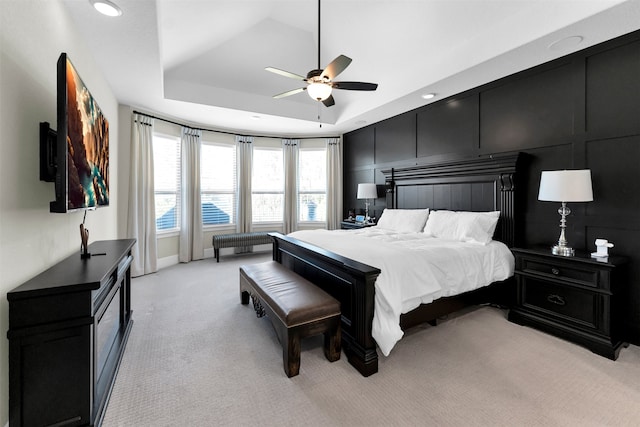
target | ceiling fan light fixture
[{"x": 319, "y": 91}]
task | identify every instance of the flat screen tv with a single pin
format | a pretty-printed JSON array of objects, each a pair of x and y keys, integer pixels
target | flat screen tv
[{"x": 77, "y": 158}]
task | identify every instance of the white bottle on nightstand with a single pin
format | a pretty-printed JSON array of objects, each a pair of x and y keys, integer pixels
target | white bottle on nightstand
[{"x": 602, "y": 248}]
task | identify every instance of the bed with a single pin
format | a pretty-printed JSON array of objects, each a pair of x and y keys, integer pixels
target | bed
[{"x": 475, "y": 185}]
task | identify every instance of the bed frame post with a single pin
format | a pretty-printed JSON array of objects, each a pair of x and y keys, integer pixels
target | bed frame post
[
  {"x": 507, "y": 209},
  {"x": 389, "y": 186},
  {"x": 350, "y": 282}
]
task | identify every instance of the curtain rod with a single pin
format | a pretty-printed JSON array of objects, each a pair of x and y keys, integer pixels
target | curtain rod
[{"x": 226, "y": 132}]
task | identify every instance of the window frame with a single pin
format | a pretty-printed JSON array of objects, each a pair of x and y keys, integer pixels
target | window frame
[
  {"x": 267, "y": 147},
  {"x": 211, "y": 140},
  {"x": 174, "y": 231},
  {"x": 310, "y": 145}
]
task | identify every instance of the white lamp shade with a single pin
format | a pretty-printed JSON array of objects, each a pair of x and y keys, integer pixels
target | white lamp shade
[
  {"x": 566, "y": 186},
  {"x": 367, "y": 191},
  {"x": 319, "y": 91}
]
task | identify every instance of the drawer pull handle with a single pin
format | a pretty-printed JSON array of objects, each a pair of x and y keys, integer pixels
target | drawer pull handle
[
  {"x": 555, "y": 271},
  {"x": 556, "y": 299}
]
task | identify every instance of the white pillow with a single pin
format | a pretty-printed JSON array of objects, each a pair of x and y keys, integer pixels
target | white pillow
[
  {"x": 473, "y": 227},
  {"x": 403, "y": 220}
]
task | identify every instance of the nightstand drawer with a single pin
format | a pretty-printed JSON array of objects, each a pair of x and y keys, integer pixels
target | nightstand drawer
[
  {"x": 569, "y": 304},
  {"x": 582, "y": 276}
]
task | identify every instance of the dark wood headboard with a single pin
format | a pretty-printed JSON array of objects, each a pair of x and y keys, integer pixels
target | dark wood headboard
[{"x": 478, "y": 184}]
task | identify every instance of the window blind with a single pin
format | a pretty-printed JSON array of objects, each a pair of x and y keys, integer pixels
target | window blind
[
  {"x": 166, "y": 168},
  {"x": 218, "y": 183}
]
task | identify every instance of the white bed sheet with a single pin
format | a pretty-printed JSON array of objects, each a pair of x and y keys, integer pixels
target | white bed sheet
[{"x": 415, "y": 269}]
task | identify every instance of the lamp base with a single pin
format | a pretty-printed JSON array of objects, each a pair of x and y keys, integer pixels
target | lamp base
[{"x": 563, "y": 250}]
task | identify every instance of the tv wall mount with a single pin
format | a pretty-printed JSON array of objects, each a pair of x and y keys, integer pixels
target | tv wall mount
[{"x": 48, "y": 152}]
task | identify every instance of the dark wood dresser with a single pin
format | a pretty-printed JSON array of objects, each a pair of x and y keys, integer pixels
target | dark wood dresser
[
  {"x": 68, "y": 328},
  {"x": 578, "y": 298}
]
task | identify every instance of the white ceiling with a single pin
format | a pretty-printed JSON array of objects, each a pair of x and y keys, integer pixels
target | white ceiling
[{"x": 202, "y": 62}]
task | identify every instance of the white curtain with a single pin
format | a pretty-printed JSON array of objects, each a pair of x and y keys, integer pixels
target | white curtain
[
  {"x": 290, "y": 148},
  {"x": 141, "y": 217},
  {"x": 334, "y": 183},
  {"x": 191, "y": 245},
  {"x": 244, "y": 167}
]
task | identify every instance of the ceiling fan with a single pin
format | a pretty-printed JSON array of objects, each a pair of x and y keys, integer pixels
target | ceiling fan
[{"x": 320, "y": 81}]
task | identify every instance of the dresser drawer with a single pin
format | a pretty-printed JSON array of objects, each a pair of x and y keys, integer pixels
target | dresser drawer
[
  {"x": 566, "y": 303},
  {"x": 583, "y": 276}
]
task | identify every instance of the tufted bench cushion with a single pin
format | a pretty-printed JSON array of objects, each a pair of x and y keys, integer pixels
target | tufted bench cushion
[
  {"x": 235, "y": 240},
  {"x": 296, "y": 307}
]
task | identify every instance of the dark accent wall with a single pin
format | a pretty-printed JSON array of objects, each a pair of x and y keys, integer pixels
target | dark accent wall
[{"x": 579, "y": 111}]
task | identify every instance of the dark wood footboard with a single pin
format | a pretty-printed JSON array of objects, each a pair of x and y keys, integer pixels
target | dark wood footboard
[{"x": 350, "y": 282}]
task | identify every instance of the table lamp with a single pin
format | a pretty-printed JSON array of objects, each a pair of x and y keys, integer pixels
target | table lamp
[
  {"x": 367, "y": 191},
  {"x": 565, "y": 186}
]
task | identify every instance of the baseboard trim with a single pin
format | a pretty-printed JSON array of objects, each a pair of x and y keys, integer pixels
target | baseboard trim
[{"x": 168, "y": 261}]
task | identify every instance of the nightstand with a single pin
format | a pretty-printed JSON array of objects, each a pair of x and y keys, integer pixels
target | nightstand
[
  {"x": 577, "y": 298},
  {"x": 348, "y": 225}
]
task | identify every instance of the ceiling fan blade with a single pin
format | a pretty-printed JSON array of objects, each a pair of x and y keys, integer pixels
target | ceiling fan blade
[
  {"x": 354, "y": 85},
  {"x": 336, "y": 67},
  {"x": 286, "y": 73},
  {"x": 289, "y": 92},
  {"x": 329, "y": 101}
]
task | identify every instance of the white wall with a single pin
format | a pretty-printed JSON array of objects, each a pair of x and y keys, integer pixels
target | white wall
[{"x": 33, "y": 33}]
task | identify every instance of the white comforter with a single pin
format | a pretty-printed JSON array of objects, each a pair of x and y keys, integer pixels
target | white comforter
[{"x": 415, "y": 269}]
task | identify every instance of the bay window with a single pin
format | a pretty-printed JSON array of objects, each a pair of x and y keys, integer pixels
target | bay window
[
  {"x": 166, "y": 168},
  {"x": 267, "y": 182},
  {"x": 218, "y": 183},
  {"x": 312, "y": 184}
]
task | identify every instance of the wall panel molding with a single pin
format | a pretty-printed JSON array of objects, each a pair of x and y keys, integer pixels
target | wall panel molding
[{"x": 579, "y": 111}]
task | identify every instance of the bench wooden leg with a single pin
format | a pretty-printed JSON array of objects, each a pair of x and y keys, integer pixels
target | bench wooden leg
[
  {"x": 244, "y": 288},
  {"x": 244, "y": 297},
  {"x": 291, "y": 354},
  {"x": 216, "y": 252},
  {"x": 333, "y": 341}
]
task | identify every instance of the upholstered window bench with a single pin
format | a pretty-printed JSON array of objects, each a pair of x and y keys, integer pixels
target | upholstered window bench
[
  {"x": 236, "y": 240},
  {"x": 296, "y": 307}
]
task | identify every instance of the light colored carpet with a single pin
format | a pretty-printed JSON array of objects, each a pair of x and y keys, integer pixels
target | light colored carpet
[{"x": 197, "y": 357}]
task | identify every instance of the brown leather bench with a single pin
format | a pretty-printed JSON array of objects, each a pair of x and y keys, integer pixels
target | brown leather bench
[{"x": 296, "y": 307}]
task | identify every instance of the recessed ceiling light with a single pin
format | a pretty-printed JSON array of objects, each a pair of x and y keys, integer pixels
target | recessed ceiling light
[
  {"x": 429, "y": 95},
  {"x": 106, "y": 7},
  {"x": 566, "y": 43}
]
